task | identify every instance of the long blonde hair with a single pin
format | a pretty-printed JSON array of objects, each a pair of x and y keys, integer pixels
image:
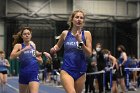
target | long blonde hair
[{"x": 72, "y": 16}]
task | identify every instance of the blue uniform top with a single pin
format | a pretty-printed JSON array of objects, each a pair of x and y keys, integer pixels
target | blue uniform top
[
  {"x": 74, "y": 59},
  {"x": 134, "y": 63},
  {"x": 27, "y": 59},
  {"x": 2, "y": 65},
  {"x": 126, "y": 64},
  {"x": 120, "y": 59}
]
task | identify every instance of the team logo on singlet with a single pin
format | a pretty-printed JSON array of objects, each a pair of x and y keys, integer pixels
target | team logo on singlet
[
  {"x": 72, "y": 43},
  {"x": 30, "y": 52}
]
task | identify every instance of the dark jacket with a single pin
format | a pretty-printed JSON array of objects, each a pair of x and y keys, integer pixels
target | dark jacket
[
  {"x": 91, "y": 68},
  {"x": 100, "y": 61}
]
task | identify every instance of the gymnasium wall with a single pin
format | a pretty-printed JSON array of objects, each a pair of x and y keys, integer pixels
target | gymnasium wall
[
  {"x": 106, "y": 7},
  {"x": 27, "y": 6},
  {"x": 2, "y": 35},
  {"x": 97, "y": 7},
  {"x": 50, "y": 16}
]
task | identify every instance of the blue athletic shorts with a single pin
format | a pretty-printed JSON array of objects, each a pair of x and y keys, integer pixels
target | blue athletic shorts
[
  {"x": 27, "y": 77},
  {"x": 74, "y": 74}
]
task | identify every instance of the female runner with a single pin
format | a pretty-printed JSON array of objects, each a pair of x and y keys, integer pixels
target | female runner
[
  {"x": 77, "y": 45},
  {"x": 28, "y": 58}
]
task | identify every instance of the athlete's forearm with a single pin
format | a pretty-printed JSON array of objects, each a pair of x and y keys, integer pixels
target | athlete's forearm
[
  {"x": 56, "y": 48},
  {"x": 37, "y": 53},
  {"x": 39, "y": 59},
  {"x": 87, "y": 51},
  {"x": 60, "y": 42},
  {"x": 123, "y": 62},
  {"x": 114, "y": 65},
  {"x": 15, "y": 55},
  {"x": 7, "y": 65},
  {"x": 87, "y": 47}
]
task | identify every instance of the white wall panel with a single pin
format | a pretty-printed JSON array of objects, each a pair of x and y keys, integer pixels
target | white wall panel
[
  {"x": 87, "y": 6},
  {"x": 1, "y": 35},
  {"x": 1, "y": 43},
  {"x": 103, "y": 7},
  {"x": 59, "y": 6},
  {"x": 106, "y": 7},
  {"x": 121, "y": 8},
  {"x": 55, "y": 6},
  {"x": 132, "y": 9},
  {"x": 13, "y": 7},
  {"x": 1, "y": 28}
]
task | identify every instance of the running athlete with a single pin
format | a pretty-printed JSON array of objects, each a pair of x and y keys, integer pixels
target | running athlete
[
  {"x": 28, "y": 58},
  {"x": 77, "y": 45},
  {"x": 112, "y": 59},
  {"x": 122, "y": 63},
  {"x": 4, "y": 64}
]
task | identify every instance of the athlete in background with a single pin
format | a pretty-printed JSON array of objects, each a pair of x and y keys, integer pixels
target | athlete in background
[
  {"x": 28, "y": 58},
  {"x": 122, "y": 63},
  {"x": 4, "y": 64},
  {"x": 101, "y": 64},
  {"x": 114, "y": 64}
]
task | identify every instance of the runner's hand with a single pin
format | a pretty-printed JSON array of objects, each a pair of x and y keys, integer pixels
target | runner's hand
[
  {"x": 26, "y": 48},
  {"x": 53, "y": 51},
  {"x": 78, "y": 36}
]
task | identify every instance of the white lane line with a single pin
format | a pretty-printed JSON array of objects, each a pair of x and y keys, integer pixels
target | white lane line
[
  {"x": 16, "y": 89},
  {"x": 13, "y": 77}
]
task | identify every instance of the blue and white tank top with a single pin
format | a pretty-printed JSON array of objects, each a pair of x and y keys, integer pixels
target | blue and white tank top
[
  {"x": 27, "y": 59},
  {"x": 74, "y": 59},
  {"x": 121, "y": 59},
  {"x": 3, "y": 65}
]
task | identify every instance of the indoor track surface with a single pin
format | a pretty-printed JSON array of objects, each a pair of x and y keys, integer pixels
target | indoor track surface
[{"x": 12, "y": 87}]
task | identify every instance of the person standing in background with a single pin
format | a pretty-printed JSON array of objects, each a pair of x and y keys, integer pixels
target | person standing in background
[
  {"x": 101, "y": 64},
  {"x": 114, "y": 65},
  {"x": 91, "y": 67},
  {"x": 122, "y": 63}
]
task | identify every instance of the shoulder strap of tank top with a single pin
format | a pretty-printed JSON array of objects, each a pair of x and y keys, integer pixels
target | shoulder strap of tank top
[
  {"x": 22, "y": 44},
  {"x": 67, "y": 35},
  {"x": 32, "y": 46}
]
